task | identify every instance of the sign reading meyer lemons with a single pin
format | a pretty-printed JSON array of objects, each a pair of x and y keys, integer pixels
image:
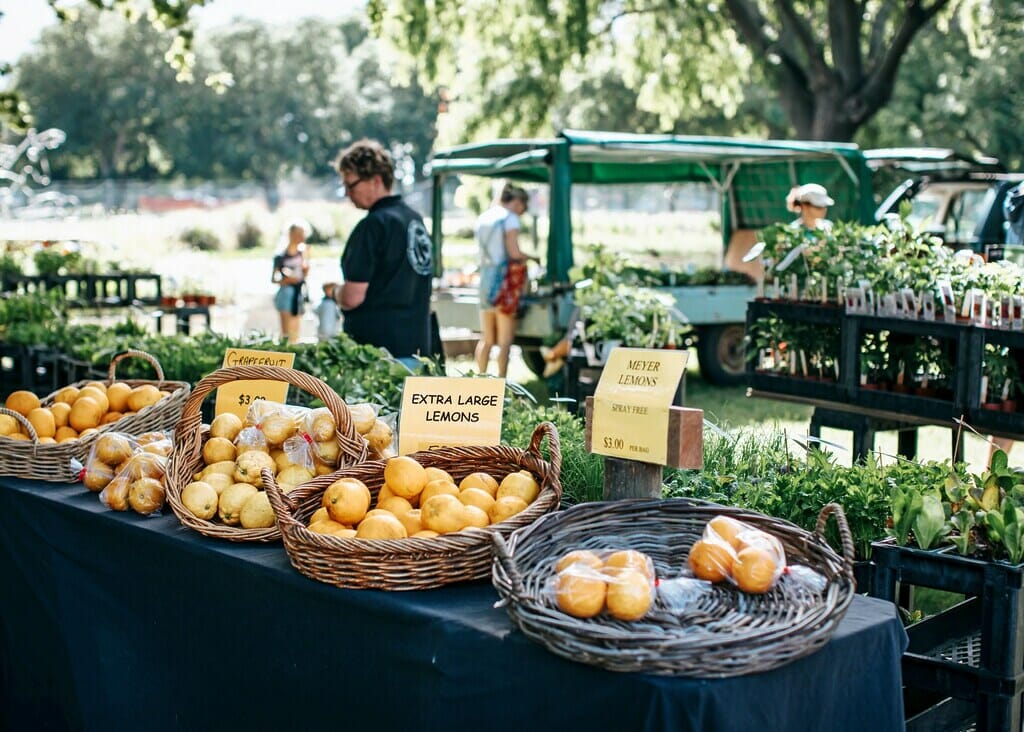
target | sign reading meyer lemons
[
  {"x": 631, "y": 403},
  {"x": 442, "y": 411},
  {"x": 236, "y": 397}
]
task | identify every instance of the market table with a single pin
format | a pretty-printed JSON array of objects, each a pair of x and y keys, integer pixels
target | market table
[{"x": 116, "y": 621}]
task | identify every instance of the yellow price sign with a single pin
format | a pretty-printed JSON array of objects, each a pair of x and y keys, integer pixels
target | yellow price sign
[
  {"x": 238, "y": 396},
  {"x": 631, "y": 403},
  {"x": 441, "y": 411}
]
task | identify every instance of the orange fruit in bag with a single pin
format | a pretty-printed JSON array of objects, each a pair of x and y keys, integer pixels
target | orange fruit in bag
[
  {"x": 754, "y": 570},
  {"x": 711, "y": 561},
  {"x": 728, "y": 529}
]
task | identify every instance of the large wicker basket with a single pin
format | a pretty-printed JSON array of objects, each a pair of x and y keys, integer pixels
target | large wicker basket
[
  {"x": 189, "y": 437},
  {"x": 723, "y": 633},
  {"x": 414, "y": 563},
  {"x": 29, "y": 459}
]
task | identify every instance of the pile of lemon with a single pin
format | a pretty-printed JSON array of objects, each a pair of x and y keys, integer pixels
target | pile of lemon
[
  {"x": 623, "y": 584},
  {"x": 749, "y": 557},
  {"x": 75, "y": 413},
  {"x": 230, "y": 485},
  {"x": 421, "y": 502}
]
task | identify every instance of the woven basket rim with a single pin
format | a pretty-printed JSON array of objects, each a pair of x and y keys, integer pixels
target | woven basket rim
[
  {"x": 406, "y": 558},
  {"x": 189, "y": 438},
  {"x": 650, "y": 646}
]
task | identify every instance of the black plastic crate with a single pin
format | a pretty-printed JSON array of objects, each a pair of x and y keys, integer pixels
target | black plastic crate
[
  {"x": 941, "y": 410},
  {"x": 990, "y": 420},
  {"x": 802, "y": 312},
  {"x": 796, "y": 386},
  {"x": 972, "y": 651}
]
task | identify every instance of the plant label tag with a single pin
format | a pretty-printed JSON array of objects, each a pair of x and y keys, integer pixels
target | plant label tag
[
  {"x": 632, "y": 401},
  {"x": 794, "y": 288},
  {"x": 450, "y": 411},
  {"x": 978, "y": 310},
  {"x": 1018, "y": 312},
  {"x": 1006, "y": 312},
  {"x": 854, "y": 300},
  {"x": 909, "y": 303},
  {"x": 236, "y": 397},
  {"x": 888, "y": 308},
  {"x": 945, "y": 292},
  {"x": 928, "y": 306}
]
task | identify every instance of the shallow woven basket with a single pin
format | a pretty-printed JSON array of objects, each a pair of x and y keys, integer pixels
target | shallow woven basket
[
  {"x": 724, "y": 633},
  {"x": 414, "y": 564},
  {"x": 189, "y": 437},
  {"x": 29, "y": 459}
]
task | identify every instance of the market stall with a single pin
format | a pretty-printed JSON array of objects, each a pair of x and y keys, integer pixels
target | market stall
[{"x": 117, "y": 621}]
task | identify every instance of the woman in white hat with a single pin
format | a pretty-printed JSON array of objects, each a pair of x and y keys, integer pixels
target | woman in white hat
[{"x": 810, "y": 201}]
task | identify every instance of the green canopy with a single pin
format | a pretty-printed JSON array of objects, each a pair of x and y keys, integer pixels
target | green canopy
[{"x": 752, "y": 176}]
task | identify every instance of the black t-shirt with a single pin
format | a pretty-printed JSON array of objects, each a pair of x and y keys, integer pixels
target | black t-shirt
[{"x": 391, "y": 250}]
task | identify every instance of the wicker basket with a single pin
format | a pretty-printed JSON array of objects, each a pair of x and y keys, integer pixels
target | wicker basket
[
  {"x": 723, "y": 633},
  {"x": 29, "y": 459},
  {"x": 189, "y": 437},
  {"x": 414, "y": 564}
]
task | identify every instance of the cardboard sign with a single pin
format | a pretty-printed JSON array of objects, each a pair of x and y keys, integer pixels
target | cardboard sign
[
  {"x": 441, "y": 411},
  {"x": 238, "y": 396},
  {"x": 631, "y": 404}
]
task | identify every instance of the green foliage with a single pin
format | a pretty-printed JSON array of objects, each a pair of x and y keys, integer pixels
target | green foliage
[
  {"x": 200, "y": 239},
  {"x": 50, "y": 261},
  {"x": 249, "y": 235},
  {"x": 582, "y": 472},
  {"x": 825, "y": 74},
  {"x": 276, "y": 99},
  {"x": 10, "y": 266}
]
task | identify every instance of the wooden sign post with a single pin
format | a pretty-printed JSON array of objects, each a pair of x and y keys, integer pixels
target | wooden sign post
[{"x": 631, "y": 421}]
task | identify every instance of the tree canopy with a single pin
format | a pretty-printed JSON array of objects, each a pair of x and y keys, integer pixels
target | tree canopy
[
  {"x": 273, "y": 99},
  {"x": 831, "y": 64}
]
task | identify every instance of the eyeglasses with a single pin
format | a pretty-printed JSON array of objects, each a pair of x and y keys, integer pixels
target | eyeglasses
[{"x": 349, "y": 187}]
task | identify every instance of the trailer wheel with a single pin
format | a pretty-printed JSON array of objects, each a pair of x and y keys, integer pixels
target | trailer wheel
[
  {"x": 534, "y": 361},
  {"x": 720, "y": 354}
]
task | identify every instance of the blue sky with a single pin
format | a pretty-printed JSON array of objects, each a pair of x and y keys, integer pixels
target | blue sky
[{"x": 24, "y": 19}]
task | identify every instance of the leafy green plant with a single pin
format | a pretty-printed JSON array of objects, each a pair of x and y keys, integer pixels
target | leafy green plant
[
  {"x": 250, "y": 236},
  {"x": 201, "y": 239}
]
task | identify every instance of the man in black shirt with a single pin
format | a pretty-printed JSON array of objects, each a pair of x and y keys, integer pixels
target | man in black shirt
[{"x": 387, "y": 262}]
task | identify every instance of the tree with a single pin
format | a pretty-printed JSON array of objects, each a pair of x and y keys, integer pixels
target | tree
[
  {"x": 957, "y": 88},
  {"x": 105, "y": 83},
  {"x": 831, "y": 63}
]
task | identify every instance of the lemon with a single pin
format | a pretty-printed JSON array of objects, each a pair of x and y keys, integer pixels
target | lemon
[
  {"x": 201, "y": 499},
  {"x": 521, "y": 485},
  {"x": 404, "y": 476},
  {"x": 232, "y": 500},
  {"x": 347, "y": 500},
  {"x": 483, "y": 481},
  {"x": 257, "y": 513}
]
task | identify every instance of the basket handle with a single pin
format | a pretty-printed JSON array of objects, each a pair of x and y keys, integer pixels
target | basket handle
[
  {"x": 547, "y": 429},
  {"x": 501, "y": 553},
  {"x": 351, "y": 442},
  {"x": 284, "y": 506},
  {"x": 131, "y": 353},
  {"x": 23, "y": 421},
  {"x": 845, "y": 536}
]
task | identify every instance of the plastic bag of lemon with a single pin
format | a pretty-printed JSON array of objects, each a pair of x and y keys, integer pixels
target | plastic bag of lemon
[
  {"x": 732, "y": 551},
  {"x": 128, "y": 472},
  {"x": 421, "y": 502},
  {"x": 586, "y": 582}
]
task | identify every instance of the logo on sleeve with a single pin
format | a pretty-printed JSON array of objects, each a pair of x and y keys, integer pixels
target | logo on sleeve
[{"x": 421, "y": 248}]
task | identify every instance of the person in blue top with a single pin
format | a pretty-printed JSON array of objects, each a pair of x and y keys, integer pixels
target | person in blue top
[
  {"x": 497, "y": 234},
  {"x": 388, "y": 260}
]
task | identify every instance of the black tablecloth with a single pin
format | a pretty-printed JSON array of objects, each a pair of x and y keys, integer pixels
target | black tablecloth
[{"x": 119, "y": 622}]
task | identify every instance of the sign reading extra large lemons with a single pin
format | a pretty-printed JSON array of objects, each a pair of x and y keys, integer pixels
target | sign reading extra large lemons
[
  {"x": 631, "y": 403},
  {"x": 236, "y": 397},
  {"x": 442, "y": 411}
]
